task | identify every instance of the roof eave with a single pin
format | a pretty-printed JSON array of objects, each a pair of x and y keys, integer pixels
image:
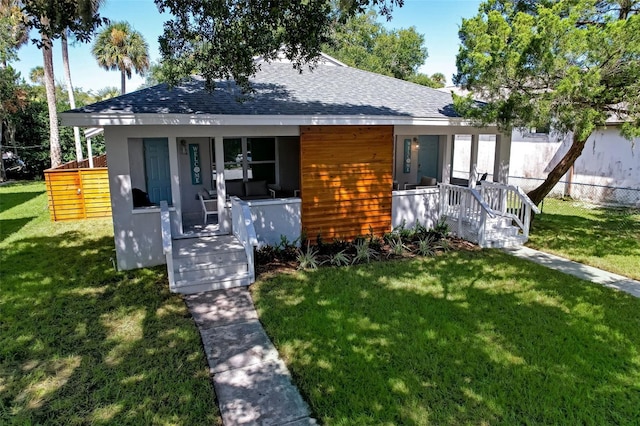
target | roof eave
[{"x": 119, "y": 119}]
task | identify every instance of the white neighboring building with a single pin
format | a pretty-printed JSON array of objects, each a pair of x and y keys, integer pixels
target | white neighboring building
[{"x": 607, "y": 171}]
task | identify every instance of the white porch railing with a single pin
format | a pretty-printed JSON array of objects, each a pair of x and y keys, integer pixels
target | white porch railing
[
  {"x": 511, "y": 202},
  {"x": 466, "y": 208},
  {"x": 167, "y": 244},
  {"x": 245, "y": 232}
]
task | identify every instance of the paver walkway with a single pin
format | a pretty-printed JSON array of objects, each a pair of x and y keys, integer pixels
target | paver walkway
[
  {"x": 579, "y": 270},
  {"x": 252, "y": 383}
]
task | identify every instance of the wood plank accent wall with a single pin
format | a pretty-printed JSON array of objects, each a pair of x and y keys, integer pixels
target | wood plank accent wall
[
  {"x": 346, "y": 180},
  {"x": 78, "y": 193}
]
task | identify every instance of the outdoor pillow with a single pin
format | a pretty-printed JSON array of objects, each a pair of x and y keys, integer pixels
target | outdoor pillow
[
  {"x": 204, "y": 194},
  {"x": 256, "y": 188},
  {"x": 235, "y": 187},
  {"x": 428, "y": 181}
]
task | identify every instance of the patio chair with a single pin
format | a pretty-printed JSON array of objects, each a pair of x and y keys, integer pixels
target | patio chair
[{"x": 209, "y": 206}]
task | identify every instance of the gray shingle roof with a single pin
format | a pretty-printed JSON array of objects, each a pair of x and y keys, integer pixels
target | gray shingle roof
[{"x": 281, "y": 90}]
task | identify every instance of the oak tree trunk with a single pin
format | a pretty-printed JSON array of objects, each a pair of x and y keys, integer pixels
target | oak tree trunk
[
  {"x": 537, "y": 195},
  {"x": 72, "y": 100},
  {"x": 49, "y": 84}
]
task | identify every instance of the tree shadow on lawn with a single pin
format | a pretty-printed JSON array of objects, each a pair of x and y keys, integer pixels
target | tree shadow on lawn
[
  {"x": 11, "y": 226},
  {"x": 82, "y": 343},
  {"x": 599, "y": 236},
  {"x": 461, "y": 338},
  {"x": 13, "y": 199}
]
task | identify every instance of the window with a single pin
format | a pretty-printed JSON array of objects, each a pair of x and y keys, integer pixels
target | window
[{"x": 250, "y": 159}]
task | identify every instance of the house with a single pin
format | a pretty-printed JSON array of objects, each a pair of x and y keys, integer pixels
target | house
[{"x": 324, "y": 152}]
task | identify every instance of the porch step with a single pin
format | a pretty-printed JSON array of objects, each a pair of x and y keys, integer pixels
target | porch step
[
  {"x": 207, "y": 284},
  {"x": 499, "y": 233},
  {"x": 209, "y": 263},
  {"x": 507, "y": 242},
  {"x": 211, "y": 271}
]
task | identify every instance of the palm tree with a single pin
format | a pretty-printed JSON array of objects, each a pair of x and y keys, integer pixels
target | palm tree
[
  {"x": 36, "y": 75},
  {"x": 92, "y": 7},
  {"x": 72, "y": 99},
  {"x": 120, "y": 47},
  {"x": 51, "y": 19}
]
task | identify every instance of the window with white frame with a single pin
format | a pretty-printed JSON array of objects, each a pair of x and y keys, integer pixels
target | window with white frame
[{"x": 250, "y": 159}]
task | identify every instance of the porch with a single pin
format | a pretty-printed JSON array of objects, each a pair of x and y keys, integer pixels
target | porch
[{"x": 493, "y": 215}]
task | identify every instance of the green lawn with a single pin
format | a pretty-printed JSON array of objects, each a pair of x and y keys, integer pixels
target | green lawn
[
  {"x": 463, "y": 338},
  {"x": 602, "y": 237},
  {"x": 81, "y": 343}
]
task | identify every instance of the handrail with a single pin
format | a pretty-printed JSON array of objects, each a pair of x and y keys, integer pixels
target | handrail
[
  {"x": 244, "y": 231},
  {"x": 167, "y": 243},
  {"x": 521, "y": 194},
  {"x": 511, "y": 201},
  {"x": 491, "y": 212},
  {"x": 469, "y": 208},
  {"x": 465, "y": 204}
]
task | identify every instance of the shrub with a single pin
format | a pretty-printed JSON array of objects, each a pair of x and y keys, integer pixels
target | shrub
[
  {"x": 307, "y": 259},
  {"x": 339, "y": 259},
  {"x": 364, "y": 253}
]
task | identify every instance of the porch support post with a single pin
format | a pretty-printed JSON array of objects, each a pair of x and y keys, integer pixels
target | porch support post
[
  {"x": 502, "y": 158},
  {"x": 473, "y": 163},
  {"x": 446, "y": 166},
  {"x": 224, "y": 216},
  {"x": 89, "y": 153},
  {"x": 176, "y": 197}
]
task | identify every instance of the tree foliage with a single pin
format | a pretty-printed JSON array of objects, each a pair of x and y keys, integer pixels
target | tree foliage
[
  {"x": 13, "y": 30},
  {"x": 363, "y": 42},
  {"x": 120, "y": 47},
  {"x": 51, "y": 18},
  {"x": 26, "y": 124},
  {"x": 219, "y": 39},
  {"x": 575, "y": 63}
]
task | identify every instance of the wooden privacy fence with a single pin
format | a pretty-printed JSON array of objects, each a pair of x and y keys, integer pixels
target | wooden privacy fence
[{"x": 76, "y": 191}]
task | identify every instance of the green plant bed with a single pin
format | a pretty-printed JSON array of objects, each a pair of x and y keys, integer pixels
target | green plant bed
[
  {"x": 81, "y": 343},
  {"x": 607, "y": 238},
  {"x": 468, "y": 337}
]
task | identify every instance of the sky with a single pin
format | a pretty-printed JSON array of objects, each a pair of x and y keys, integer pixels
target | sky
[{"x": 438, "y": 20}]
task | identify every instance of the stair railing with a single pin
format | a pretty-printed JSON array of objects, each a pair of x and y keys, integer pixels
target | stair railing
[
  {"x": 245, "y": 232},
  {"x": 465, "y": 206},
  {"x": 511, "y": 202},
  {"x": 167, "y": 243}
]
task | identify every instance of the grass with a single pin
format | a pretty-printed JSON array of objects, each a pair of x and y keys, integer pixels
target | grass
[
  {"x": 602, "y": 237},
  {"x": 461, "y": 338},
  {"x": 81, "y": 343}
]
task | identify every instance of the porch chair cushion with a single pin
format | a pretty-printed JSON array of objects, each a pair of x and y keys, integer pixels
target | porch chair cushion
[
  {"x": 256, "y": 188},
  {"x": 428, "y": 181},
  {"x": 235, "y": 187}
]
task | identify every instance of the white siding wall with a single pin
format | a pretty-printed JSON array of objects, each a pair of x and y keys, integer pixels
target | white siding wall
[
  {"x": 416, "y": 205},
  {"x": 273, "y": 218},
  {"x": 608, "y": 159}
]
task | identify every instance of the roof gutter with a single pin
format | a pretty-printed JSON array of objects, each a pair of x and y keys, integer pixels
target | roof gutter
[{"x": 118, "y": 119}]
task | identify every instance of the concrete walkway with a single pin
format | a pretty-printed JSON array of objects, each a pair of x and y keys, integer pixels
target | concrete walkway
[
  {"x": 252, "y": 383},
  {"x": 579, "y": 270}
]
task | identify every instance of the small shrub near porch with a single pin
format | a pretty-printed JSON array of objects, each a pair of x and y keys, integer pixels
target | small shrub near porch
[{"x": 402, "y": 242}]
